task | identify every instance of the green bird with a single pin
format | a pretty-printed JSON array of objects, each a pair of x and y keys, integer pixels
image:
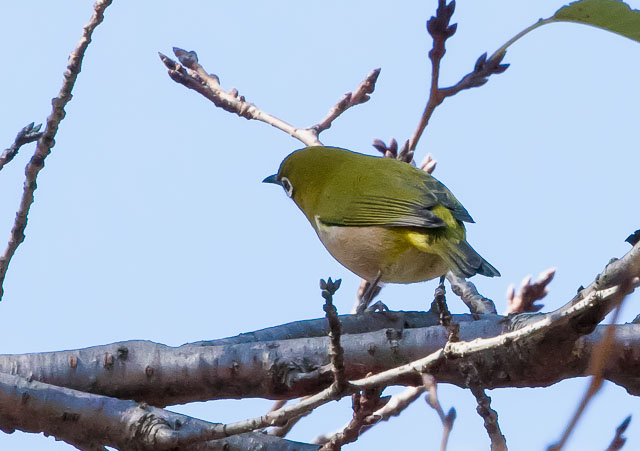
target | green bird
[{"x": 381, "y": 218}]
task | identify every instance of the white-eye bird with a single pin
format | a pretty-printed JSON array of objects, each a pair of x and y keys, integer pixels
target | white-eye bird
[{"x": 381, "y": 218}]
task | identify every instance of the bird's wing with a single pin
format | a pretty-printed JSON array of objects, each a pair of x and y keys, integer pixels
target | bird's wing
[
  {"x": 384, "y": 211},
  {"x": 445, "y": 198},
  {"x": 375, "y": 207}
]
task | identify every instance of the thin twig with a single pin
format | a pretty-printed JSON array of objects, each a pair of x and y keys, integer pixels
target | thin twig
[
  {"x": 188, "y": 72},
  {"x": 599, "y": 360},
  {"x": 282, "y": 431},
  {"x": 336, "y": 352},
  {"x": 361, "y": 95},
  {"x": 432, "y": 399},
  {"x": 388, "y": 407},
  {"x": 524, "y": 301},
  {"x": 440, "y": 30},
  {"x": 28, "y": 134},
  {"x": 619, "y": 440},
  {"x": 393, "y": 406},
  {"x": 490, "y": 417},
  {"x": 468, "y": 292},
  {"x": 46, "y": 141},
  {"x": 192, "y": 75},
  {"x": 439, "y": 304},
  {"x": 363, "y": 406}
]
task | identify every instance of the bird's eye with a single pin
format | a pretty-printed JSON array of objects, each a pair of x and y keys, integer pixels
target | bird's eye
[{"x": 288, "y": 187}]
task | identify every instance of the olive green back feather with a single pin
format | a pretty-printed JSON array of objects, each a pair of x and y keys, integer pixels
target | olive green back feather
[{"x": 382, "y": 191}]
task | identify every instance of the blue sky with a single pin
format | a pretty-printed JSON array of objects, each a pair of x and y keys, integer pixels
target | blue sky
[{"x": 150, "y": 220}]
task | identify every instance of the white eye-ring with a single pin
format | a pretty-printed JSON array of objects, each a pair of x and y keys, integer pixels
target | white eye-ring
[{"x": 288, "y": 187}]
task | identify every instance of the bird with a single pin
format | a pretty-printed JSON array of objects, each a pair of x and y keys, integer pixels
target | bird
[{"x": 381, "y": 218}]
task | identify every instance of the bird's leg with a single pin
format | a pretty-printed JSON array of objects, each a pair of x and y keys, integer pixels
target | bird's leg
[{"x": 369, "y": 292}]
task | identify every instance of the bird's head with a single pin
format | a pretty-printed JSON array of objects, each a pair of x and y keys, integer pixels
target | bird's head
[{"x": 303, "y": 174}]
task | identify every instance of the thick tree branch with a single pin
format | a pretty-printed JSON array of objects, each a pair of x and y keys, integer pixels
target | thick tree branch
[
  {"x": 521, "y": 350},
  {"x": 148, "y": 372},
  {"x": 46, "y": 141},
  {"x": 597, "y": 366},
  {"x": 94, "y": 421}
]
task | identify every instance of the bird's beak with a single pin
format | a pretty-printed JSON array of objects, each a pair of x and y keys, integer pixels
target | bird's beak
[{"x": 272, "y": 179}]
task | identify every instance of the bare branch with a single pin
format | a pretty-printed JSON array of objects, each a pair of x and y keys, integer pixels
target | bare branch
[
  {"x": 432, "y": 399},
  {"x": 393, "y": 407},
  {"x": 619, "y": 440},
  {"x": 93, "y": 421},
  {"x": 618, "y": 279},
  {"x": 390, "y": 407},
  {"x": 282, "y": 431},
  {"x": 524, "y": 301},
  {"x": 506, "y": 351},
  {"x": 490, "y": 417},
  {"x": 361, "y": 95},
  {"x": 28, "y": 134},
  {"x": 192, "y": 75},
  {"x": 439, "y": 305},
  {"x": 46, "y": 141},
  {"x": 363, "y": 406},
  {"x": 440, "y": 30},
  {"x": 336, "y": 352},
  {"x": 467, "y": 291}
]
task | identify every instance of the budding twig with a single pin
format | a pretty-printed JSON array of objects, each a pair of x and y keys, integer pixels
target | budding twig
[
  {"x": 524, "y": 301},
  {"x": 189, "y": 73},
  {"x": 440, "y": 30},
  {"x": 46, "y": 140},
  {"x": 28, "y": 134}
]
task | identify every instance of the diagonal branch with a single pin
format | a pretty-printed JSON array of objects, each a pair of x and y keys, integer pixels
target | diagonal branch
[
  {"x": 619, "y": 440},
  {"x": 468, "y": 292},
  {"x": 189, "y": 73},
  {"x": 432, "y": 399},
  {"x": 601, "y": 354},
  {"x": 361, "y": 95},
  {"x": 46, "y": 141},
  {"x": 490, "y": 417}
]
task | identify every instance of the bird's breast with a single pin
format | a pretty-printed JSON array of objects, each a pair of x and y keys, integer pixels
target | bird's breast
[{"x": 369, "y": 250}]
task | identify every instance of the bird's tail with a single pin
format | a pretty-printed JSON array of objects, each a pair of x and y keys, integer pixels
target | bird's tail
[{"x": 464, "y": 261}]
